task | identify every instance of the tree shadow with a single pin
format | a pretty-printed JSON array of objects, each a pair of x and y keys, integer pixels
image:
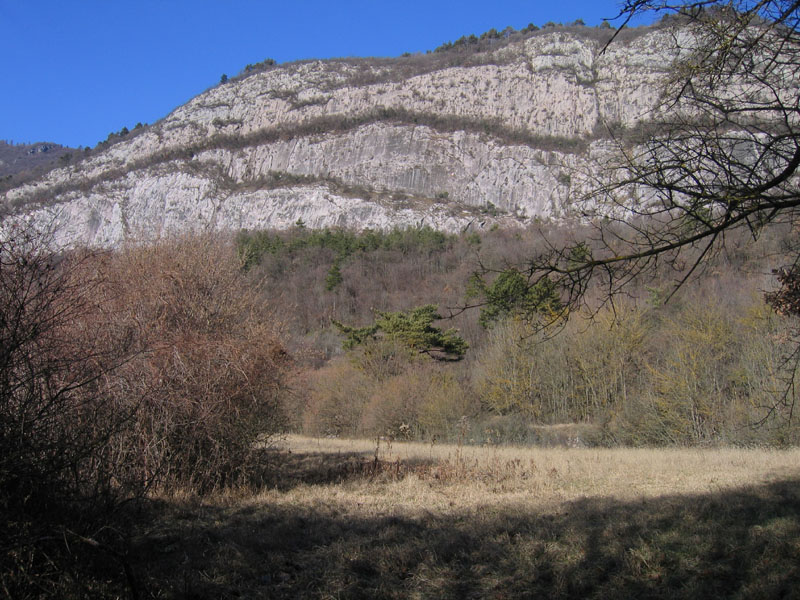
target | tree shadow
[
  {"x": 284, "y": 471},
  {"x": 743, "y": 543}
]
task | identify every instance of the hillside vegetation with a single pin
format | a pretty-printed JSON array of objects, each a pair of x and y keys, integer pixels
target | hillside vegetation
[
  {"x": 157, "y": 371},
  {"x": 31, "y": 158},
  {"x": 706, "y": 367}
]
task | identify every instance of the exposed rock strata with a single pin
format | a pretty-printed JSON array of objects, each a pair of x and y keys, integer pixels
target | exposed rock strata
[{"x": 337, "y": 143}]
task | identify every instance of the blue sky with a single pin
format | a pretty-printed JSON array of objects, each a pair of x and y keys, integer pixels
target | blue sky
[{"x": 72, "y": 71}]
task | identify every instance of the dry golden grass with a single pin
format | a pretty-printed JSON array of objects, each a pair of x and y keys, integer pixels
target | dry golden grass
[
  {"x": 443, "y": 476},
  {"x": 429, "y": 521}
]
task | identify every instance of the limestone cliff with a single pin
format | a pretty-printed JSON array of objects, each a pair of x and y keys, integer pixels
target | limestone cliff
[{"x": 447, "y": 140}]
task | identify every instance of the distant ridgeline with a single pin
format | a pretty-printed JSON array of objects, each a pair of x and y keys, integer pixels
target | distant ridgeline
[{"x": 42, "y": 157}]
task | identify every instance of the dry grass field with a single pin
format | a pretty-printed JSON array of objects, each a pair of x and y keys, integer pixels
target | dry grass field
[{"x": 430, "y": 521}]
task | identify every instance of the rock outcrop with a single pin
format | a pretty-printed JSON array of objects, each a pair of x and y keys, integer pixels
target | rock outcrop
[{"x": 449, "y": 140}]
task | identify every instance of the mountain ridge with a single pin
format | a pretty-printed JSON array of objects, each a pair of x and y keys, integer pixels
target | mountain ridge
[
  {"x": 501, "y": 138},
  {"x": 18, "y": 158}
]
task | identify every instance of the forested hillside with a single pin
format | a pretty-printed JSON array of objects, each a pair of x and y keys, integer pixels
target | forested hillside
[
  {"x": 34, "y": 159},
  {"x": 706, "y": 367}
]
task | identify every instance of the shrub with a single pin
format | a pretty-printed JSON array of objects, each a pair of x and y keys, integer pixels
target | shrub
[
  {"x": 445, "y": 403},
  {"x": 214, "y": 366},
  {"x": 393, "y": 408},
  {"x": 62, "y": 403},
  {"x": 580, "y": 374},
  {"x": 338, "y": 393},
  {"x": 157, "y": 366}
]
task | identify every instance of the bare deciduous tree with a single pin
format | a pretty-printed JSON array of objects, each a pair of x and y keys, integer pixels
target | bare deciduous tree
[{"x": 720, "y": 154}]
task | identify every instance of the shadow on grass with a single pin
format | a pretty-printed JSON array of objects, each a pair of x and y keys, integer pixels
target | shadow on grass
[
  {"x": 743, "y": 543},
  {"x": 286, "y": 470}
]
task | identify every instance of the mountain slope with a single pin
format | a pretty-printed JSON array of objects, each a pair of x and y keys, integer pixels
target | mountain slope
[
  {"x": 450, "y": 140},
  {"x": 16, "y": 158}
]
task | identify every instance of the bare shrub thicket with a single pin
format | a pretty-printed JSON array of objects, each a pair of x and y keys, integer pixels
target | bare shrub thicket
[
  {"x": 214, "y": 366},
  {"x": 156, "y": 367},
  {"x": 63, "y": 402},
  {"x": 386, "y": 390},
  {"x": 639, "y": 371},
  {"x": 577, "y": 375}
]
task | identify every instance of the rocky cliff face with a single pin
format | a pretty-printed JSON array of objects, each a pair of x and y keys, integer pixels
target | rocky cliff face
[{"x": 448, "y": 140}]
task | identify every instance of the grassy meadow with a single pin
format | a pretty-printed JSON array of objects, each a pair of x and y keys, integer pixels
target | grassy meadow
[{"x": 379, "y": 519}]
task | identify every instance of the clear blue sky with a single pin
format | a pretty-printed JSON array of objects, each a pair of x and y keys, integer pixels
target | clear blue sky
[{"x": 74, "y": 70}]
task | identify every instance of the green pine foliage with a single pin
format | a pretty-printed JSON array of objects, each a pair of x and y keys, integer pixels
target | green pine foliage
[
  {"x": 334, "y": 278},
  {"x": 412, "y": 329},
  {"x": 252, "y": 246},
  {"x": 355, "y": 336},
  {"x": 512, "y": 295}
]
